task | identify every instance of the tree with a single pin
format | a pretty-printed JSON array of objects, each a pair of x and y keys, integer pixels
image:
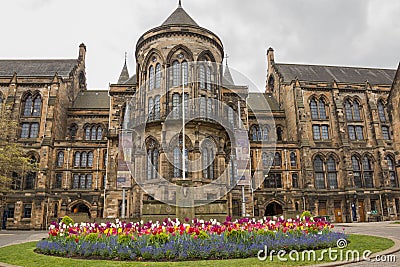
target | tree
[{"x": 13, "y": 160}]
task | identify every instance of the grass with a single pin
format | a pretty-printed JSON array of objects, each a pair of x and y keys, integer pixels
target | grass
[
  {"x": 395, "y": 223},
  {"x": 24, "y": 255}
]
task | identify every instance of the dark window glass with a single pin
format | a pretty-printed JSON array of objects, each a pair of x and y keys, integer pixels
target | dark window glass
[
  {"x": 27, "y": 210},
  {"x": 352, "y": 133},
  {"x": 60, "y": 159},
  {"x": 316, "y": 132},
  {"x": 25, "y": 130},
  {"x": 385, "y": 133},
  {"x": 58, "y": 182},
  {"x": 314, "y": 109},
  {"x": 37, "y": 105},
  {"x": 322, "y": 109}
]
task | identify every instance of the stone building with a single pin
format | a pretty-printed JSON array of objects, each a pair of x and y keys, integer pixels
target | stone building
[{"x": 326, "y": 130}]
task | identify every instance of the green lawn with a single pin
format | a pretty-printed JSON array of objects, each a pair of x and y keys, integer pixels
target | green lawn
[{"x": 24, "y": 255}]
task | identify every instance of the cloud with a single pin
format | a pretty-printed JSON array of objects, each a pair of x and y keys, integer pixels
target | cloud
[{"x": 342, "y": 32}]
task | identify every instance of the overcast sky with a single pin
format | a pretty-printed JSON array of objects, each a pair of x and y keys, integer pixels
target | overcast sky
[{"x": 342, "y": 32}]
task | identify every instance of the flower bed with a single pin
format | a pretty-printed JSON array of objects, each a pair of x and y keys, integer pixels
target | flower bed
[{"x": 174, "y": 240}]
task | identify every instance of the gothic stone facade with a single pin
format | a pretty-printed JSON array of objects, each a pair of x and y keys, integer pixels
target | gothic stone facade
[{"x": 336, "y": 151}]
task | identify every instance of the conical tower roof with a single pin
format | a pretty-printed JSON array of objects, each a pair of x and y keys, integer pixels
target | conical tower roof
[
  {"x": 179, "y": 17},
  {"x": 124, "y": 76},
  {"x": 228, "y": 80}
]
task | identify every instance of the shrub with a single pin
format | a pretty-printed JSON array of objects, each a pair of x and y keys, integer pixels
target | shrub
[
  {"x": 305, "y": 214},
  {"x": 67, "y": 220}
]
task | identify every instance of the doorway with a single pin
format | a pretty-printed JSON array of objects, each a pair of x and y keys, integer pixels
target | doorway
[
  {"x": 273, "y": 209},
  {"x": 361, "y": 210},
  {"x": 338, "y": 211}
]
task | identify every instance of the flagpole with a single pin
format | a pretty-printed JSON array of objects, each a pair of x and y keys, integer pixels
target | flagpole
[{"x": 183, "y": 126}]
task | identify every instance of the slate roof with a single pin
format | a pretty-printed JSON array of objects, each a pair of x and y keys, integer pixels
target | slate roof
[
  {"x": 124, "y": 76},
  {"x": 131, "y": 80},
  {"x": 179, "y": 17},
  {"x": 92, "y": 99},
  {"x": 259, "y": 101},
  {"x": 37, "y": 67},
  {"x": 319, "y": 73}
]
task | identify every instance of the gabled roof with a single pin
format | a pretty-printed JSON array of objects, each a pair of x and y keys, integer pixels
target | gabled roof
[
  {"x": 179, "y": 17},
  {"x": 92, "y": 99},
  {"x": 262, "y": 102},
  {"x": 37, "y": 67},
  {"x": 318, "y": 73}
]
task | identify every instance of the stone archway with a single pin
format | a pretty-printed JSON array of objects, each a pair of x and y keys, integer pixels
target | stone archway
[
  {"x": 79, "y": 208},
  {"x": 273, "y": 209}
]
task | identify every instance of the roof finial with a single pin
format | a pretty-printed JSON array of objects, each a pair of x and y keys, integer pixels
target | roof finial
[
  {"x": 180, "y": 3},
  {"x": 226, "y": 59},
  {"x": 125, "y": 57}
]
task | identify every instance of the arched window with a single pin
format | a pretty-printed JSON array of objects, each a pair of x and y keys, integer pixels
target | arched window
[
  {"x": 264, "y": 157},
  {"x": 202, "y": 78},
  {"x": 392, "y": 172},
  {"x": 368, "y": 173},
  {"x": 231, "y": 119},
  {"x": 355, "y": 162},
  {"x": 208, "y": 78},
  {"x": 381, "y": 111},
  {"x": 176, "y": 74},
  {"x": 158, "y": 75},
  {"x": 356, "y": 111},
  {"x": 157, "y": 107},
  {"x": 265, "y": 133},
  {"x": 99, "y": 133},
  {"x": 322, "y": 109},
  {"x": 72, "y": 132},
  {"x": 176, "y": 105},
  {"x": 295, "y": 180},
  {"x": 28, "y": 106},
  {"x": 185, "y": 70},
  {"x": 151, "y": 78},
  {"x": 293, "y": 159},
  {"x": 30, "y": 177},
  {"x": 208, "y": 159},
  {"x": 332, "y": 174},
  {"x": 152, "y": 160},
  {"x": 37, "y": 106},
  {"x": 277, "y": 159},
  {"x": 149, "y": 165},
  {"x": 150, "y": 109},
  {"x": 254, "y": 132},
  {"x": 348, "y": 110},
  {"x": 84, "y": 159},
  {"x": 90, "y": 159},
  {"x": 177, "y": 162},
  {"x": 319, "y": 173},
  {"x": 87, "y": 133},
  {"x": 259, "y": 133},
  {"x": 155, "y": 162},
  {"x": 203, "y": 105},
  {"x": 314, "y": 109},
  {"x": 60, "y": 159},
  {"x": 93, "y": 133},
  {"x": 77, "y": 159},
  {"x": 204, "y": 155},
  {"x": 279, "y": 134}
]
